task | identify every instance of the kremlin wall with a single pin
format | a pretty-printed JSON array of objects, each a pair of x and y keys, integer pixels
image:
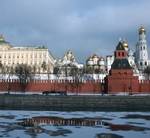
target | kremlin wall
[{"x": 122, "y": 72}]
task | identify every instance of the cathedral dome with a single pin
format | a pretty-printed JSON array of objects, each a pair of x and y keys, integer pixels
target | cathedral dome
[
  {"x": 141, "y": 30},
  {"x": 125, "y": 44}
]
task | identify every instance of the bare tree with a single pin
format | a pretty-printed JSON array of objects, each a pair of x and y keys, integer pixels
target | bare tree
[
  {"x": 10, "y": 73},
  {"x": 77, "y": 74},
  {"x": 44, "y": 66},
  {"x": 24, "y": 74}
]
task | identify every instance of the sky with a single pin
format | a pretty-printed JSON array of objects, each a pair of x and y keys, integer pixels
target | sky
[{"x": 84, "y": 26}]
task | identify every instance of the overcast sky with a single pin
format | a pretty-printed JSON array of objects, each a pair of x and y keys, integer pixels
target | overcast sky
[{"x": 83, "y": 26}]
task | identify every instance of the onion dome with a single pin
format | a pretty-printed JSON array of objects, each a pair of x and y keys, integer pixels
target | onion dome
[
  {"x": 95, "y": 56},
  {"x": 142, "y": 30},
  {"x": 125, "y": 44},
  {"x": 89, "y": 61},
  {"x": 3, "y": 42},
  {"x": 101, "y": 61},
  {"x": 2, "y": 39}
]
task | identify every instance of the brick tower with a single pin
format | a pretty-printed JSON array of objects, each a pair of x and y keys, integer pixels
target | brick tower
[{"x": 120, "y": 78}]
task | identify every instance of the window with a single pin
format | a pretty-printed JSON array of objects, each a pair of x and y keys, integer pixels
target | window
[
  {"x": 141, "y": 64},
  {"x": 145, "y": 63},
  {"x": 123, "y": 54}
]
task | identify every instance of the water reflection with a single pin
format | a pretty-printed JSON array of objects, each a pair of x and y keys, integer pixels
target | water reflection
[
  {"x": 34, "y": 131},
  {"x": 46, "y": 124},
  {"x": 58, "y": 121},
  {"x": 137, "y": 116},
  {"x": 7, "y": 116},
  {"x": 108, "y": 135},
  {"x": 90, "y": 122},
  {"x": 126, "y": 127}
]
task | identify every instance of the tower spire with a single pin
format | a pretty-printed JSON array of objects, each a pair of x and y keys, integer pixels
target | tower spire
[{"x": 141, "y": 50}]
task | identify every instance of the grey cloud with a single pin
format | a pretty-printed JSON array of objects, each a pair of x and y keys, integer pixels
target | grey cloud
[{"x": 85, "y": 26}]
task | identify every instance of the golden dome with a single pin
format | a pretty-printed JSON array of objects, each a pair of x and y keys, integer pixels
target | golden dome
[
  {"x": 125, "y": 44},
  {"x": 141, "y": 30}
]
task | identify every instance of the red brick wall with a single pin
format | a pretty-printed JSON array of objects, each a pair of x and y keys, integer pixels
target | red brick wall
[
  {"x": 45, "y": 85},
  {"x": 122, "y": 80},
  {"x": 144, "y": 86},
  {"x": 114, "y": 84}
]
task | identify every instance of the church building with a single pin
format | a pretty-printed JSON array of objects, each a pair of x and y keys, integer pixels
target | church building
[{"x": 141, "y": 53}]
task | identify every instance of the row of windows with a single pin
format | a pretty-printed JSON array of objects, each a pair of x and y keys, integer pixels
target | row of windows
[
  {"x": 40, "y": 56},
  {"x": 143, "y": 48},
  {"x": 121, "y": 54},
  {"x": 14, "y": 63},
  {"x": 141, "y": 64}
]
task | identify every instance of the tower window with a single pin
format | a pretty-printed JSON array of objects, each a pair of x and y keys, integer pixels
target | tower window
[
  {"x": 141, "y": 48},
  {"x": 141, "y": 64},
  {"x": 144, "y": 47},
  {"x": 145, "y": 63}
]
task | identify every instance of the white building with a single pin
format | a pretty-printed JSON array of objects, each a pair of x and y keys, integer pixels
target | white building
[
  {"x": 64, "y": 66},
  {"x": 38, "y": 58},
  {"x": 96, "y": 63},
  {"x": 109, "y": 61},
  {"x": 141, "y": 52}
]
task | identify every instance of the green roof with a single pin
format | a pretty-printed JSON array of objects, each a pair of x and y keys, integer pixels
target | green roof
[
  {"x": 2, "y": 40},
  {"x": 120, "y": 46},
  {"x": 121, "y": 64}
]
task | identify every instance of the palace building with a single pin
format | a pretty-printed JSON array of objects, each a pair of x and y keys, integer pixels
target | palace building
[{"x": 38, "y": 58}]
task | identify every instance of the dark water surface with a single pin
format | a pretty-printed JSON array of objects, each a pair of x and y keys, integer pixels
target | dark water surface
[{"x": 45, "y": 124}]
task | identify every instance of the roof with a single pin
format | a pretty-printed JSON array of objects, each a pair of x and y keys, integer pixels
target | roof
[
  {"x": 2, "y": 40},
  {"x": 121, "y": 64},
  {"x": 120, "y": 46}
]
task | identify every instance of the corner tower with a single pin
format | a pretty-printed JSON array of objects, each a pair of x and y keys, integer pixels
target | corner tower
[
  {"x": 120, "y": 78},
  {"x": 141, "y": 50}
]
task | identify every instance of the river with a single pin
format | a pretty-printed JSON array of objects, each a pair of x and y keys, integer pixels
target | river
[{"x": 45, "y": 124}]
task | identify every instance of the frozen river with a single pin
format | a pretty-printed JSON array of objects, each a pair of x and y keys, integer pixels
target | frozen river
[{"x": 45, "y": 124}]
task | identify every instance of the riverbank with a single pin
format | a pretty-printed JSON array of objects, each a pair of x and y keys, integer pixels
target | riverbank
[{"x": 74, "y": 103}]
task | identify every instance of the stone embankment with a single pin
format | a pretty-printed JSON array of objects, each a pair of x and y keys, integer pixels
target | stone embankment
[{"x": 74, "y": 103}]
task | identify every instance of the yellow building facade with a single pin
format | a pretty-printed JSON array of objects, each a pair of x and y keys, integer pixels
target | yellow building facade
[{"x": 38, "y": 58}]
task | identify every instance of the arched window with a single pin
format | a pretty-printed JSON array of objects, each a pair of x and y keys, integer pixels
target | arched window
[{"x": 145, "y": 63}]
